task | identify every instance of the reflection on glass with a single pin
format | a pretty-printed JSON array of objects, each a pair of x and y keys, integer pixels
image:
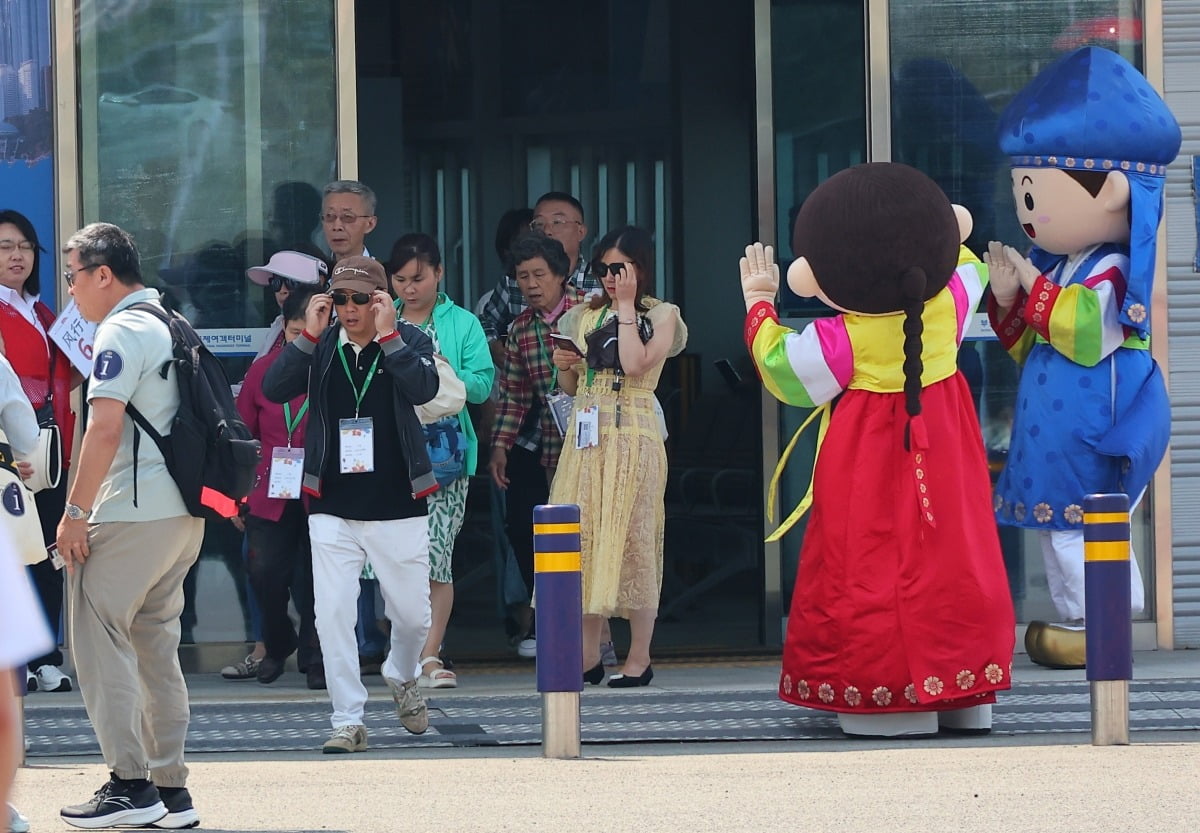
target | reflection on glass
[
  {"x": 206, "y": 130},
  {"x": 947, "y": 95},
  {"x": 190, "y": 142}
]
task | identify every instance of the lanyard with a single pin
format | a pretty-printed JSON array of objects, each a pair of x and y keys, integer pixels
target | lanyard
[
  {"x": 591, "y": 371},
  {"x": 290, "y": 423},
  {"x": 358, "y": 394}
]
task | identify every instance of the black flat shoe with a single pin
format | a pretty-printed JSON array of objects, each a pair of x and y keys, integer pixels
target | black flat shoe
[
  {"x": 594, "y": 675},
  {"x": 622, "y": 681}
]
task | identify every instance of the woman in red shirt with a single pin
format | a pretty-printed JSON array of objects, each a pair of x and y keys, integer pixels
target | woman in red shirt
[{"x": 47, "y": 378}]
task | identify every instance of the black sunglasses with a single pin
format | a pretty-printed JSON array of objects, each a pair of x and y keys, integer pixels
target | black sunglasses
[
  {"x": 614, "y": 269},
  {"x": 277, "y": 283},
  {"x": 340, "y": 299}
]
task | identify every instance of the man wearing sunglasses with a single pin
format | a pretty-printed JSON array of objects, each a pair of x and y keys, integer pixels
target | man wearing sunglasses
[
  {"x": 363, "y": 373},
  {"x": 284, "y": 272}
]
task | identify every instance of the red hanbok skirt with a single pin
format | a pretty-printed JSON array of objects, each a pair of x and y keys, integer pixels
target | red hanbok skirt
[{"x": 892, "y": 612}]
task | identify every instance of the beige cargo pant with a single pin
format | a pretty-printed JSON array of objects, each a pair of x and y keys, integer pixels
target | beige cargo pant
[{"x": 125, "y": 602}]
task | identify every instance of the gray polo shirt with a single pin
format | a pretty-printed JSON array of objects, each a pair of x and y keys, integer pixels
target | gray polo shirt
[{"x": 130, "y": 349}]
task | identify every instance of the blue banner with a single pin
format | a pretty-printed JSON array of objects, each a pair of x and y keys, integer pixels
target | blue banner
[{"x": 27, "y": 126}]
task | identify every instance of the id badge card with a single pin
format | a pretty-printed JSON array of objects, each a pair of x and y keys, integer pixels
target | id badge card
[
  {"x": 287, "y": 473},
  {"x": 560, "y": 405},
  {"x": 587, "y": 427},
  {"x": 357, "y": 445}
]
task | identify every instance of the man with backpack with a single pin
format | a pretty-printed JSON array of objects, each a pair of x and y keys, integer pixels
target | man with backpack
[{"x": 128, "y": 540}]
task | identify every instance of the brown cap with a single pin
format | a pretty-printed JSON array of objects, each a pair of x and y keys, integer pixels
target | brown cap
[{"x": 358, "y": 274}]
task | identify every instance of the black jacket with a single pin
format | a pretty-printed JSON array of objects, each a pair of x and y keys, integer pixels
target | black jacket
[{"x": 304, "y": 366}]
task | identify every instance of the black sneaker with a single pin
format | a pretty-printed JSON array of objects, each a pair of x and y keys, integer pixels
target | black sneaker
[
  {"x": 118, "y": 802},
  {"x": 180, "y": 812}
]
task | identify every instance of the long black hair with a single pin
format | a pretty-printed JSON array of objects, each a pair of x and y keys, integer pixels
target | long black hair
[
  {"x": 881, "y": 238},
  {"x": 33, "y": 284},
  {"x": 639, "y": 246}
]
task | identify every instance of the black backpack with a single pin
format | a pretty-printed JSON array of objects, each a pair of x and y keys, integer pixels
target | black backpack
[{"x": 210, "y": 452}]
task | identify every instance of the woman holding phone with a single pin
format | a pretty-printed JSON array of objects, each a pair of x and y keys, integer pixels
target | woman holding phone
[{"x": 614, "y": 463}]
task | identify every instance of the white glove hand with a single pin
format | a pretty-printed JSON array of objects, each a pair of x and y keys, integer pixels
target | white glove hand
[
  {"x": 1002, "y": 276},
  {"x": 760, "y": 275}
]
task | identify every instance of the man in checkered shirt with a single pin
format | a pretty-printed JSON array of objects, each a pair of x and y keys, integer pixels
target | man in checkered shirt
[{"x": 559, "y": 216}]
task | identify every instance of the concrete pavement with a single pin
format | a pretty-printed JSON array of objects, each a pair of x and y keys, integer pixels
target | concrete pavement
[
  {"x": 844, "y": 787},
  {"x": 1031, "y": 782}
]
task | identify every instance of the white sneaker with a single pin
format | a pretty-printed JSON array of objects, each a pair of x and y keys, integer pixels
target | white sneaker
[
  {"x": 527, "y": 648},
  {"x": 346, "y": 739},
  {"x": 30, "y": 681},
  {"x": 17, "y": 823},
  {"x": 50, "y": 678}
]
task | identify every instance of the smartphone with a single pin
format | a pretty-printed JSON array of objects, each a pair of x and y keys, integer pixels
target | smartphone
[
  {"x": 55, "y": 558},
  {"x": 565, "y": 343}
]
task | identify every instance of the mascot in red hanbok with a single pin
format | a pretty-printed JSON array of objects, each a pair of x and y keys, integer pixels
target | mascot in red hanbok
[{"x": 901, "y": 619}]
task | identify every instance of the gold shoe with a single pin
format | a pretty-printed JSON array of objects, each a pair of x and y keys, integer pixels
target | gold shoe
[
  {"x": 1033, "y": 636},
  {"x": 1059, "y": 646}
]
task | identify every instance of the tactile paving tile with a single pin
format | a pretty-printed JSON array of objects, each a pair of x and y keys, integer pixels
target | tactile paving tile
[{"x": 625, "y": 717}]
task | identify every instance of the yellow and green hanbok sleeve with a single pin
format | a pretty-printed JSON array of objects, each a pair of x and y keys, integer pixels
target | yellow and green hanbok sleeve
[{"x": 805, "y": 368}]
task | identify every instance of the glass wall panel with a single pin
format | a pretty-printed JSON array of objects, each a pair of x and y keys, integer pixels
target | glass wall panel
[
  {"x": 818, "y": 61},
  {"x": 468, "y": 108},
  {"x": 948, "y": 91},
  {"x": 207, "y": 129}
]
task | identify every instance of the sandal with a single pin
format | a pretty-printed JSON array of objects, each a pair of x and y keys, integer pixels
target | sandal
[{"x": 440, "y": 677}]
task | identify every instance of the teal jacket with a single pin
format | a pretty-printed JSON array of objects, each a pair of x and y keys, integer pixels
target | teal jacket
[{"x": 461, "y": 340}]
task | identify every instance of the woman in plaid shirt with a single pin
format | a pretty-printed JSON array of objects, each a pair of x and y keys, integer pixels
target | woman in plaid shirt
[{"x": 526, "y": 442}]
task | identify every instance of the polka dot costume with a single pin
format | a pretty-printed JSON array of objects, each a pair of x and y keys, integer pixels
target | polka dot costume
[{"x": 1093, "y": 111}]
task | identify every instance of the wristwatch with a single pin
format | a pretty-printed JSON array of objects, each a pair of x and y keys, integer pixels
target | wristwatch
[{"x": 75, "y": 513}]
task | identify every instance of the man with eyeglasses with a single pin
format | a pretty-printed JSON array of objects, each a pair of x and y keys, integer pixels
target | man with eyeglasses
[
  {"x": 128, "y": 542},
  {"x": 557, "y": 215},
  {"x": 347, "y": 217},
  {"x": 284, "y": 272},
  {"x": 363, "y": 374}
]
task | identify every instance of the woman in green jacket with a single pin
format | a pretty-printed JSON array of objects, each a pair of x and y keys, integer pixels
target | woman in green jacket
[{"x": 415, "y": 267}]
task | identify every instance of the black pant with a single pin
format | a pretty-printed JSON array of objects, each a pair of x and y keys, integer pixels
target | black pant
[
  {"x": 47, "y": 580},
  {"x": 527, "y": 488},
  {"x": 281, "y": 560}
]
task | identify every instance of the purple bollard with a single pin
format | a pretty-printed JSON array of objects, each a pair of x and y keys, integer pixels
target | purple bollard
[
  {"x": 1108, "y": 615},
  {"x": 558, "y": 591}
]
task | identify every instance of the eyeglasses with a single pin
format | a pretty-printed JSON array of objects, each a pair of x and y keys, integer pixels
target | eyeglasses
[
  {"x": 69, "y": 274},
  {"x": 347, "y": 218},
  {"x": 553, "y": 224},
  {"x": 277, "y": 283},
  {"x": 8, "y": 246},
  {"x": 340, "y": 299},
  {"x": 600, "y": 270}
]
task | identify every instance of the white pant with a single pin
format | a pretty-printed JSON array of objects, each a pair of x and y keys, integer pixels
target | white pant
[
  {"x": 399, "y": 553},
  {"x": 1062, "y": 552}
]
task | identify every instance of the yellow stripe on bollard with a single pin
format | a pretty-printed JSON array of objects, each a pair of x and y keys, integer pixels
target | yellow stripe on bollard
[
  {"x": 1106, "y": 551},
  {"x": 1106, "y": 517},
  {"x": 554, "y": 529},
  {"x": 557, "y": 562}
]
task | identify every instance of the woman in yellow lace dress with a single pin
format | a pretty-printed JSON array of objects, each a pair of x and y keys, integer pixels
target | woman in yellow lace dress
[{"x": 614, "y": 465}]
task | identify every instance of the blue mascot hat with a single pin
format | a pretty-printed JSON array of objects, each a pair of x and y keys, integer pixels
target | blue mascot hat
[{"x": 1091, "y": 110}]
